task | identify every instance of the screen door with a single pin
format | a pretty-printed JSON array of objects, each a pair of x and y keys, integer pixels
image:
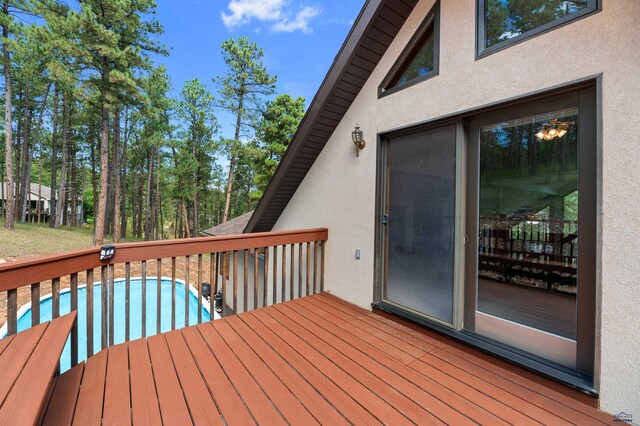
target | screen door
[{"x": 420, "y": 222}]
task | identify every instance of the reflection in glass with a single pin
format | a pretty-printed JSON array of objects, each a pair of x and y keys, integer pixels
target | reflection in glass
[
  {"x": 528, "y": 224},
  {"x": 505, "y": 19},
  {"x": 419, "y": 62},
  {"x": 421, "y": 222}
]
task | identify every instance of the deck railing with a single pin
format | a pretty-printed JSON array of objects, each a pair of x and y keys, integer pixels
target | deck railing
[{"x": 249, "y": 270}]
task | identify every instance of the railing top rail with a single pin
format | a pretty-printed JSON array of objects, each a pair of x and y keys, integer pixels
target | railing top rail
[{"x": 14, "y": 275}]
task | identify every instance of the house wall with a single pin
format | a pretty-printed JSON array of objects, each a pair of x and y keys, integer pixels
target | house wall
[{"x": 339, "y": 191}]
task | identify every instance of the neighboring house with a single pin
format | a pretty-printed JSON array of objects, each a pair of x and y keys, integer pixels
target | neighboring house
[
  {"x": 497, "y": 197},
  {"x": 39, "y": 195}
]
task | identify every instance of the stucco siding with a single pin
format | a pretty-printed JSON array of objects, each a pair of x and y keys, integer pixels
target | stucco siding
[{"x": 339, "y": 191}]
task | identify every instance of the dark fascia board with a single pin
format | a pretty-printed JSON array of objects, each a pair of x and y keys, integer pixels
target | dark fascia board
[{"x": 341, "y": 64}]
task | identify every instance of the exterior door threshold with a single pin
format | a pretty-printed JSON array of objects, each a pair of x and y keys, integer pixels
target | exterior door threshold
[{"x": 559, "y": 378}]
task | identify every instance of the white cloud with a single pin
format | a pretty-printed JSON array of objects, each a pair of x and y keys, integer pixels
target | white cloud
[
  {"x": 300, "y": 22},
  {"x": 242, "y": 12}
]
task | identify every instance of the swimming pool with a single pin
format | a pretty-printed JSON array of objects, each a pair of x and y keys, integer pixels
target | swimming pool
[{"x": 135, "y": 320}]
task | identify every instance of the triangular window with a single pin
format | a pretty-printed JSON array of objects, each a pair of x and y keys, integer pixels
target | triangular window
[{"x": 419, "y": 60}]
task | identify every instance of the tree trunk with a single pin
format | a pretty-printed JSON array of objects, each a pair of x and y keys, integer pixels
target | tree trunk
[
  {"x": 117, "y": 175},
  {"x": 196, "y": 219},
  {"x": 232, "y": 163},
  {"x": 7, "y": 122},
  {"x": 40, "y": 188},
  {"x": 148, "y": 222},
  {"x": 25, "y": 187},
  {"x": 156, "y": 199},
  {"x": 54, "y": 160},
  {"x": 104, "y": 174},
  {"x": 185, "y": 218},
  {"x": 74, "y": 186},
  {"x": 139, "y": 225},
  {"x": 62, "y": 194},
  {"x": 123, "y": 213},
  {"x": 94, "y": 174}
]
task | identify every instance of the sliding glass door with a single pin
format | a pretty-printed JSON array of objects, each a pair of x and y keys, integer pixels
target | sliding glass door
[{"x": 530, "y": 270}]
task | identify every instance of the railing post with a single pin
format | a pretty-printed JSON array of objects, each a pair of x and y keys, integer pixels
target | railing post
[
  {"x": 35, "y": 304},
  {"x": 55, "y": 298},
  {"x": 265, "y": 286},
  {"x": 322, "y": 248},
  {"x": 111, "y": 274},
  {"x": 12, "y": 311},
  {"x": 173, "y": 293},
  {"x": 144, "y": 299},
  {"x": 213, "y": 280},
  {"x": 187, "y": 262},
  {"x": 104, "y": 305},
  {"x": 127, "y": 302},
  {"x": 158, "y": 295},
  {"x": 199, "y": 288},
  {"x": 74, "y": 330},
  {"x": 89, "y": 293},
  {"x": 235, "y": 282}
]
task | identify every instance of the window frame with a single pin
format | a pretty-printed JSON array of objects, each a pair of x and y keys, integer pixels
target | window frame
[
  {"x": 593, "y": 6},
  {"x": 433, "y": 18}
]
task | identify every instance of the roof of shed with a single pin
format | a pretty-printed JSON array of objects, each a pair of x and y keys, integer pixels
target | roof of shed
[
  {"x": 372, "y": 33},
  {"x": 230, "y": 227}
]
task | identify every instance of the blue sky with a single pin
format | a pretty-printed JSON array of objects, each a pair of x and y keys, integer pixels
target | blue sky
[{"x": 300, "y": 39}]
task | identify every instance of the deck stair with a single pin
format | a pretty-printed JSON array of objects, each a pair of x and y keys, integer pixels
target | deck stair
[{"x": 29, "y": 364}]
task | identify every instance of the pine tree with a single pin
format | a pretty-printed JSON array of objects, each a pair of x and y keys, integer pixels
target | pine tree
[{"x": 242, "y": 92}]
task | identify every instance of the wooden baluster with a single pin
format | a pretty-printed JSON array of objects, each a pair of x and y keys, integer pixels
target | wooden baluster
[
  {"x": 245, "y": 281},
  {"x": 265, "y": 287},
  {"x": 144, "y": 298},
  {"x": 89, "y": 294},
  {"x": 275, "y": 274},
  {"x": 104, "y": 304},
  {"x": 73, "y": 283},
  {"x": 315, "y": 267},
  {"x": 308, "y": 268},
  {"x": 199, "y": 288},
  {"x": 256, "y": 267},
  {"x": 223, "y": 285},
  {"x": 235, "y": 282},
  {"x": 300, "y": 270},
  {"x": 111, "y": 305},
  {"x": 158, "y": 296},
  {"x": 127, "y": 303},
  {"x": 213, "y": 280},
  {"x": 292, "y": 271},
  {"x": 322, "y": 243},
  {"x": 55, "y": 298},
  {"x": 35, "y": 304},
  {"x": 173, "y": 293},
  {"x": 284, "y": 273},
  {"x": 12, "y": 311},
  {"x": 187, "y": 262}
]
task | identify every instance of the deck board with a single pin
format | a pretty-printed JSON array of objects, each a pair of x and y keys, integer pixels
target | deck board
[
  {"x": 315, "y": 360},
  {"x": 64, "y": 398}
]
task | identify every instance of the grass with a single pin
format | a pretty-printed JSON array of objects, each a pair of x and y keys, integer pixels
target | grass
[{"x": 29, "y": 240}]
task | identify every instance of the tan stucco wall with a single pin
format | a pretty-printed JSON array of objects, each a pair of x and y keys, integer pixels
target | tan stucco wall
[{"x": 339, "y": 191}]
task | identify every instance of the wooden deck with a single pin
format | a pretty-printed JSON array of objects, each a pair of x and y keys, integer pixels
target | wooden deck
[{"x": 316, "y": 360}]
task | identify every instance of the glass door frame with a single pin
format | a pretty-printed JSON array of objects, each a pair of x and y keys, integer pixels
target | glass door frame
[
  {"x": 585, "y": 101},
  {"x": 381, "y": 227}
]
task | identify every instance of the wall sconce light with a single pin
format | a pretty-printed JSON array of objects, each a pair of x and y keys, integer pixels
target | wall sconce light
[
  {"x": 357, "y": 137},
  {"x": 107, "y": 252}
]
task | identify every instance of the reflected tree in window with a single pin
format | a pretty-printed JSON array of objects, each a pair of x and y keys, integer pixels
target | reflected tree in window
[{"x": 505, "y": 19}]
